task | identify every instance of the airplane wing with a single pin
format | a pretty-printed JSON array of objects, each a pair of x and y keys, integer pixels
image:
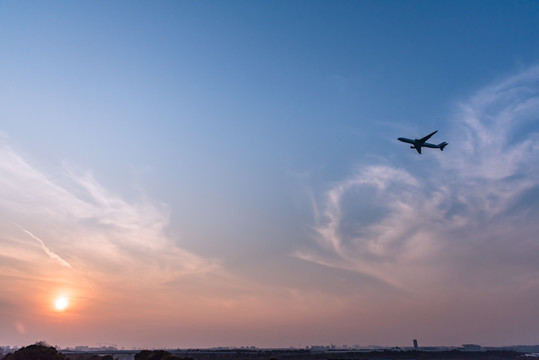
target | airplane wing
[{"x": 422, "y": 140}]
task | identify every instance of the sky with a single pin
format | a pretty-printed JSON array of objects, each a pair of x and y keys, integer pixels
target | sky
[{"x": 211, "y": 173}]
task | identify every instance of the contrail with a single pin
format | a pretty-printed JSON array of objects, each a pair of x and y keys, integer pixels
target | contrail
[{"x": 51, "y": 254}]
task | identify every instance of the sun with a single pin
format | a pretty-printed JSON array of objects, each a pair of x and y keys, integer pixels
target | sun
[{"x": 61, "y": 303}]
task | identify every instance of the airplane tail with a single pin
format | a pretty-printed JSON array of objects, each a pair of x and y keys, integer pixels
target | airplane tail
[{"x": 442, "y": 145}]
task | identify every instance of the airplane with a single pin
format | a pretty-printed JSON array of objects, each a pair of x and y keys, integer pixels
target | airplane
[{"x": 419, "y": 143}]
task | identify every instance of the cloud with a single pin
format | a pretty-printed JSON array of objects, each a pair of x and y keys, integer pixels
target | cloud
[
  {"x": 114, "y": 245},
  {"x": 471, "y": 220}
]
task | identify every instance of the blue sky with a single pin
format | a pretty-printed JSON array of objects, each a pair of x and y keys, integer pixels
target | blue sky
[{"x": 239, "y": 160}]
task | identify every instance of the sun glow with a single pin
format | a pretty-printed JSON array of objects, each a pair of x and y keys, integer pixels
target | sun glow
[{"x": 61, "y": 303}]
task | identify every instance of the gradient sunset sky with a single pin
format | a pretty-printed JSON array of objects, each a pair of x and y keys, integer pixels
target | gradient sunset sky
[{"x": 225, "y": 173}]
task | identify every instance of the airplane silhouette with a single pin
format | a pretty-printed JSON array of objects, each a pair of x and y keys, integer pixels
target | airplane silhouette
[{"x": 419, "y": 143}]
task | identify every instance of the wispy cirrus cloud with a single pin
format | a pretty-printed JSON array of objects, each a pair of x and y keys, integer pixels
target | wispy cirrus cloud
[
  {"x": 109, "y": 241},
  {"x": 470, "y": 221}
]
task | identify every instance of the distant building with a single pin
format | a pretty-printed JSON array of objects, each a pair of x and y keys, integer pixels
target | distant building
[{"x": 415, "y": 344}]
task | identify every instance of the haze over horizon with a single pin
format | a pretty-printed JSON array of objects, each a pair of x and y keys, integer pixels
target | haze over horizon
[{"x": 200, "y": 174}]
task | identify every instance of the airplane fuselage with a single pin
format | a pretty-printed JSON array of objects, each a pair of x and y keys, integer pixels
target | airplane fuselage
[{"x": 416, "y": 143}]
